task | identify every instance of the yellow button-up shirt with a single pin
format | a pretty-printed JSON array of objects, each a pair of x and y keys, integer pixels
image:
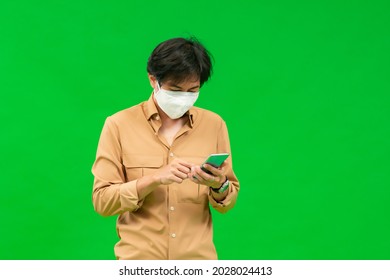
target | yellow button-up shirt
[{"x": 173, "y": 221}]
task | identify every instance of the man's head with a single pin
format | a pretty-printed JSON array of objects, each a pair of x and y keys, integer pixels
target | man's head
[{"x": 180, "y": 60}]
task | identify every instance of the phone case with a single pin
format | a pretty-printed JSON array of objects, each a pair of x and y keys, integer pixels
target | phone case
[{"x": 215, "y": 160}]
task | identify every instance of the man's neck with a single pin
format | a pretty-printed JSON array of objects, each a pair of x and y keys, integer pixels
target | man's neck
[{"x": 168, "y": 122}]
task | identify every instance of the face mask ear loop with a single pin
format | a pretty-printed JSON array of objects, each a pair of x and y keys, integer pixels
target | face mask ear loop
[{"x": 158, "y": 86}]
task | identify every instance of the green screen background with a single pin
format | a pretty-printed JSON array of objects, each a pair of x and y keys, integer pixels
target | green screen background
[{"x": 302, "y": 85}]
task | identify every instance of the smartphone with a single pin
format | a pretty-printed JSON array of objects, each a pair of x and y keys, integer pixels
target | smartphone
[{"x": 215, "y": 160}]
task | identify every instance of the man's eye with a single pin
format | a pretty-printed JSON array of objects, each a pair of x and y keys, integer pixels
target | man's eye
[{"x": 179, "y": 90}]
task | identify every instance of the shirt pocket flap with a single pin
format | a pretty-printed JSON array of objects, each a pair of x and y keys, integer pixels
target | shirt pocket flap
[
  {"x": 142, "y": 161},
  {"x": 195, "y": 160}
]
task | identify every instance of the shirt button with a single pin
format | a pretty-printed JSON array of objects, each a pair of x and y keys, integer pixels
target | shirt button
[
  {"x": 172, "y": 208},
  {"x": 171, "y": 154},
  {"x": 173, "y": 235}
]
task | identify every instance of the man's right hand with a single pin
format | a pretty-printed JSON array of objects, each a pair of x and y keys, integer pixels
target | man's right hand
[{"x": 175, "y": 172}]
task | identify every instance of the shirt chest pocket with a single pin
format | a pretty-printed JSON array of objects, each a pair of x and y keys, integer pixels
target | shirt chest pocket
[
  {"x": 137, "y": 166},
  {"x": 190, "y": 192}
]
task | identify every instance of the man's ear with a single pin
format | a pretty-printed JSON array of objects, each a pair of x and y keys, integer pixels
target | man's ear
[{"x": 152, "y": 80}]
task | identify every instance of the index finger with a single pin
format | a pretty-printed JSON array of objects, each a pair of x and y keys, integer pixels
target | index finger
[{"x": 183, "y": 162}]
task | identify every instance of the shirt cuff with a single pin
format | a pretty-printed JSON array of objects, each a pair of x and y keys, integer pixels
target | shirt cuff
[
  {"x": 227, "y": 198},
  {"x": 129, "y": 197}
]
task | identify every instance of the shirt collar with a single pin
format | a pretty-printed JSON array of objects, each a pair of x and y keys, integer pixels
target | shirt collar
[{"x": 150, "y": 110}]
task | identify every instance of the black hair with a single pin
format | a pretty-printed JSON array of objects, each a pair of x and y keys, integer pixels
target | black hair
[{"x": 180, "y": 59}]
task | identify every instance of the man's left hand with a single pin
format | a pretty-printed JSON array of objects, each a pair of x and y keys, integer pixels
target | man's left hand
[{"x": 215, "y": 181}]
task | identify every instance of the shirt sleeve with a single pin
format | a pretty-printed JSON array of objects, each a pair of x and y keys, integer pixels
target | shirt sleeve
[
  {"x": 111, "y": 194},
  {"x": 223, "y": 146}
]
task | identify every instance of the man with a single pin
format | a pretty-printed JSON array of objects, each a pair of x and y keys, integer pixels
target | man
[{"x": 148, "y": 162}]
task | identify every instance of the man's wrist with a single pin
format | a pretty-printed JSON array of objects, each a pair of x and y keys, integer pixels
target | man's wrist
[{"x": 222, "y": 187}]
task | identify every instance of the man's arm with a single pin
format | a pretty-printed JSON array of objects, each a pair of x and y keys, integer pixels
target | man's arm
[
  {"x": 223, "y": 202},
  {"x": 111, "y": 193}
]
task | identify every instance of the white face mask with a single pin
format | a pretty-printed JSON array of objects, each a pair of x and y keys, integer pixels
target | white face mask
[{"x": 175, "y": 103}]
